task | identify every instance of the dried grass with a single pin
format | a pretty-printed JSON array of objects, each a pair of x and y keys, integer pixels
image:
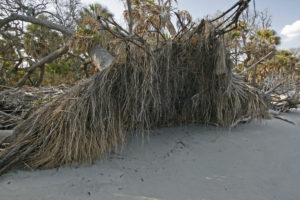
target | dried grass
[{"x": 178, "y": 83}]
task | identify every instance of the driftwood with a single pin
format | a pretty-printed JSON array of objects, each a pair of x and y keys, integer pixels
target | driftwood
[
  {"x": 101, "y": 58},
  {"x": 284, "y": 119},
  {"x": 281, "y": 99},
  {"x": 286, "y": 104},
  {"x": 15, "y": 104}
]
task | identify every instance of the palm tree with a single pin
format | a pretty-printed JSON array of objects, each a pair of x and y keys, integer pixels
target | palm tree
[
  {"x": 150, "y": 17},
  {"x": 95, "y": 10},
  {"x": 264, "y": 42}
]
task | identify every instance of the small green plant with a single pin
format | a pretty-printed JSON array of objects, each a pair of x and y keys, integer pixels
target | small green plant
[{"x": 41, "y": 101}]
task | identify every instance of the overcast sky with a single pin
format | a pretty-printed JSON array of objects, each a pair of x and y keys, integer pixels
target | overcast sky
[{"x": 285, "y": 14}]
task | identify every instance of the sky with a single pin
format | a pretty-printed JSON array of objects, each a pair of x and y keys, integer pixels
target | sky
[{"x": 285, "y": 14}]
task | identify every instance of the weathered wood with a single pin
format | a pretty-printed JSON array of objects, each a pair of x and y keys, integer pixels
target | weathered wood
[
  {"x": 34, "y": 20},
  {"x": 100, "y": 57},
  {"x": 284, "y": 119},
  {"x": 221, "y": 66},
  {"x": 6, "y": 114},
  {"x": 5, "y": 133},
  {"x": 5, "y": 136}
]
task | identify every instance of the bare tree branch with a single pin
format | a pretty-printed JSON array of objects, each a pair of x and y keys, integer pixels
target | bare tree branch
[
  {"x": 258, "y": 62},
  {"x": 130, "y": 25},
  {"x": 49, "y": 58},
  {"x": 34, "y": 20}
]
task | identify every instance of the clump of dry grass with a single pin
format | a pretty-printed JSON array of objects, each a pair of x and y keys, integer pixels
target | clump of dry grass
[{"x": 188, "y": 80}]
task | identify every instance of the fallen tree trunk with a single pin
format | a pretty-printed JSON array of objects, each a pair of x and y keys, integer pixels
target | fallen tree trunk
[
  {"x": 177, "y": 84},
  {"x": 187, "y": 79}
]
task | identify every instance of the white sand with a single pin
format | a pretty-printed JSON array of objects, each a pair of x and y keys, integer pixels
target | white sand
[{"x": 256, "y": 161}]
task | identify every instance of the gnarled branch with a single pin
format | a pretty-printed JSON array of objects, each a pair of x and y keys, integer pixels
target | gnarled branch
[{"x": 34, "y": 20}]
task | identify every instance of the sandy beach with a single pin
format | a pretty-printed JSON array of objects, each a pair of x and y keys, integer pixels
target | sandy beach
[{"x": 256, "y": 161}]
